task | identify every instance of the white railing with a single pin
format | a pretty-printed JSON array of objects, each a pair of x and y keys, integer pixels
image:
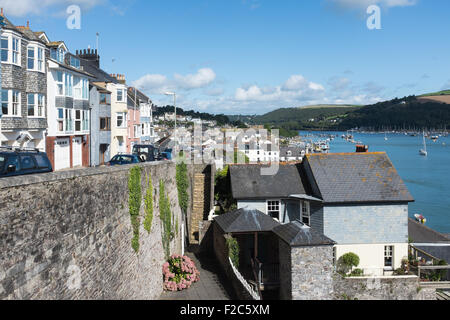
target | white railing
[{"x": 246, "y": 285}]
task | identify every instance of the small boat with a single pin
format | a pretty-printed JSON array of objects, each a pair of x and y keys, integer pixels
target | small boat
[
  {"x": 385, "y": 137},
  {"x": 420, "y": 218},
  {"x": 434, "y": 138},
  {"x": 423, "y": 152}
]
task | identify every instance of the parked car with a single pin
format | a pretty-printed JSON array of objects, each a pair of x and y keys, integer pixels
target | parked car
[
  {"x": 20, "y": 161},
  {"x": 121, "y": 159},
  {"x": 146, "y": 152}
]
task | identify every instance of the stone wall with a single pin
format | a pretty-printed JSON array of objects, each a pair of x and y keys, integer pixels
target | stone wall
[
  {"x": 381, "y": 288},
  {"x": 67, "y": 235},
  {"x": 311, "y": 272}
]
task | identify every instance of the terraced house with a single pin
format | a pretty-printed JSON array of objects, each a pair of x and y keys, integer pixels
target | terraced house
[
  {"x": 24, "y": 86},
  {"x": 68, "y": 109}
]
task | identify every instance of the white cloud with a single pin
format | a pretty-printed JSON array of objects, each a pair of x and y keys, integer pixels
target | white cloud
[
  {"x": 202, "y": 78},
  {"x": 157, "y": 83},
  {"x": 20, "y": 8},
  {"x": 296, "y": 88}
]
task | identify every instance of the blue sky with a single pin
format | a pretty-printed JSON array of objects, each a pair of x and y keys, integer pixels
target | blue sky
[{"x": 253, "y": 56}]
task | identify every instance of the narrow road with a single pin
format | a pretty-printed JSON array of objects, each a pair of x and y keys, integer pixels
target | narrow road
[{"x": 211, "y": 286}]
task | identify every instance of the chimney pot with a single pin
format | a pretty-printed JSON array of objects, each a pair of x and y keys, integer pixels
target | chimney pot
[
  {"x": 1, "y": 11},
  {"x": 28, "y": 24}
]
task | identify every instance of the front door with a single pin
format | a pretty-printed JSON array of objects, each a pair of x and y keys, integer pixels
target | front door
[{"x": 76, "y": 149}]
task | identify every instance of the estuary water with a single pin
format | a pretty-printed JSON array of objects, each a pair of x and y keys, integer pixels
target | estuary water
[{"x": 427, "y": 178}]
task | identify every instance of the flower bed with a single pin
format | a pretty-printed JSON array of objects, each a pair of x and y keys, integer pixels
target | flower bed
[{"x": 179, "y": 273}]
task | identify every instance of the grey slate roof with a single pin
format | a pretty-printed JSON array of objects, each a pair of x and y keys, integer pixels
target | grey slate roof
[
  {"x": 296, "y": 234},
  {"x": 357, "y": 178},
  {"x": 245, "y": 220},
  {"x": 420, "y": 233},
  {"x": 248, "y": 183},
  {"x": 99, "y": 74}
]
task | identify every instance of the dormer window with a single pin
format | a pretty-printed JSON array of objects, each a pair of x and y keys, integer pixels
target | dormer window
[
  {"x": 58, "y": 54},
  {"x": 74, "y": 62},
  {"x": 10, "y": 49}
]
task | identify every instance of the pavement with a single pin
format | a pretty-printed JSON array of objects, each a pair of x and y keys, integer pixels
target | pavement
[{"x": 211, "y": 286}]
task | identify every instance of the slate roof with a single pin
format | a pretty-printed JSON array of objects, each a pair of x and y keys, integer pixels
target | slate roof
[
  {"x": 140, "y": 96},
  {"x": 297, "y": 234},
  {"x": 25, "y": 31},
  {"x": 248, "y": 183},
  {"x": 97, "y": 73},
  {"x": 245, "y": 220},
  {"x": 357, "y": 178},
  {"x": 420, "y": 233}
]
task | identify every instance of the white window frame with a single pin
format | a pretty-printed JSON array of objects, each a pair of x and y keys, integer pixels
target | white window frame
[
  {"x": 38, "y": 105},
  {"x": 269, "y": 207},
  {"x": 123, "y": 91},
  {"x": 389, "y": 253},
  {"x": 60, "y": 83},
  {"x": 33, "y": 59},
  {"x": 77, "y": 88},
  {"x": 307, "y": 205},
  {"x": 124, "y": 120},
  {"x": 16, "y": 105},
  {"x": 33, "y": 105},
  {"x": 38, "y": 58},
  {"x": 5, "y": 49},
  {"x": 15, "y": 52},
  {"x": 59, "y": 119},
  {"x": 78, "y": 119}
]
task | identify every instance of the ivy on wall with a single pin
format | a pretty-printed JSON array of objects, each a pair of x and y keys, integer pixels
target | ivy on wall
[
  {"x": 182, "y": 185},
  {"x": 148, "y": 202},
  {"x": 134, "y": 204},
  {"x": 233, "y": 250},
  {"x": 166, "y": 217}
]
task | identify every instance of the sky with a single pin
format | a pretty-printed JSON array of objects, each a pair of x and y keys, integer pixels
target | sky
[{"x": 254, "y": 56}]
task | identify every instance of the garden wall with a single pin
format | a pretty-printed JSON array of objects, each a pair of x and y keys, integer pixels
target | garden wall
[
  {"x": 67, "y": 235},
  {"x": 381, "y": 288}
]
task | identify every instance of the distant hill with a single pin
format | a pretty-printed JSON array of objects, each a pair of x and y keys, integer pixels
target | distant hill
[
  {"x": 429, "y": 111},
  {"x": 309, "y": 117},
  {"x": 408, "y": 112},
  {"x": 439, "y": 93}
]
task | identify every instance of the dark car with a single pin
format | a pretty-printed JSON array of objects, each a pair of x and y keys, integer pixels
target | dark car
[
  {"x": 122, "y": 159},
  {"x": 17, "y": 162},
  {"x": 146, "y": 152}
]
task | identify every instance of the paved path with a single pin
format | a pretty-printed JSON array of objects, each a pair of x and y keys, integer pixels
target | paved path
[{"x": 209, "y": 287}]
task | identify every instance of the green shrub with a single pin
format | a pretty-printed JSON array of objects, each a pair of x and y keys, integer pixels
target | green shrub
[
  {"x": 182, "y": 185},
  {"x": 148, "y": 201},
  {"x": 357, "y": 273},
  {"x": 166, "y": 217},
  {"x": 134, "y": 204},
  {"x": 233, "y": 250},
  {"x": 347, "y": 261}
]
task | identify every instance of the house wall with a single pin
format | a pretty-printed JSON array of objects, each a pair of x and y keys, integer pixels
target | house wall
[
  {"x": 19, "y": 78},
  {"x": 260, "y": 205},
  {"x": 117, "y": 133},
  {"x": 99, "y": 137},
  {"x": 365, "y": 224},
  {"x": 371, "y": 256}
]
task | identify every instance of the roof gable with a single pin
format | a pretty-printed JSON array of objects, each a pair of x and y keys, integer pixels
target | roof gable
[
  {"x": 245, "y": 220},
  {"x": 247, "y": 182},
  {"x": 357, "y": 177}
]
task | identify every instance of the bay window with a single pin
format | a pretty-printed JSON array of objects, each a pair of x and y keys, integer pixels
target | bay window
[
  {"x": 40, "y": 59},
  {"x": 4, "y": 49},
  {"x": 30, "y": 65},
  {"x": 15, "y": 50},
  {"x": 77, "y": 87},
  {"x": 11, "y": 103},
  {"x": 68, "y": 84},
  {"x": 69, "y": 120}
]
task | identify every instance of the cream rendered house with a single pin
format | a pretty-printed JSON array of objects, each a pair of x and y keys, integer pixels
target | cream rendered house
[{"x": 119, "y": 115}]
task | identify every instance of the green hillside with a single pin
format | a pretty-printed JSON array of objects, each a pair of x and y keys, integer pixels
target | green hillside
[
  {"x": 311, "y": 117},
  {"x": 439, "y": 93}
]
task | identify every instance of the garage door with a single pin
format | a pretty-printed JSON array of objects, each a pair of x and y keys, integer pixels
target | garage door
[
  {"x": 62, "y": 153},
  {"x": 76, "y": 145}
]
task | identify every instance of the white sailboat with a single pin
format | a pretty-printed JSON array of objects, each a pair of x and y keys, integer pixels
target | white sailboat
[
  {"x": 385, "y": 137},
  {"x": 423, "y": 152}
]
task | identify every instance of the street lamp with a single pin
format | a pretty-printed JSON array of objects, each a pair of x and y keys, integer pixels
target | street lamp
[{"x": 175, "y": 106}]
